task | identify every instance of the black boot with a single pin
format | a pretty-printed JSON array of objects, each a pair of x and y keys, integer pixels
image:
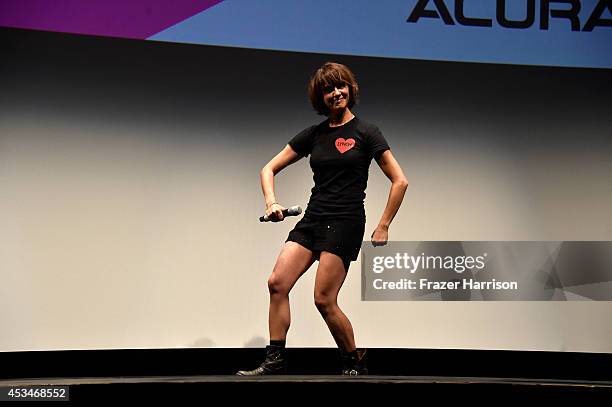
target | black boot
[
  {"x": 354, "y": 365},
  {"x": 275, "y": 363}
]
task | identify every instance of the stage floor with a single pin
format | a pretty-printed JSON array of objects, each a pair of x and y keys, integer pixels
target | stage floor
[
  {"x": 313, "y": 388},
  {"x": 372, "y": 379}
]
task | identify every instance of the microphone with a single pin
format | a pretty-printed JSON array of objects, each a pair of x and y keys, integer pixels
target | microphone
[{"x": 293, "y": 211}]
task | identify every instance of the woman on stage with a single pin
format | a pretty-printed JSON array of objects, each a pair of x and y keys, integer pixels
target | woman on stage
[{"x": 341, "y": 149}]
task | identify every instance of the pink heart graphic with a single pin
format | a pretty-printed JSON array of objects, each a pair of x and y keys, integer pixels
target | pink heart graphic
[{"x": 344, "y": 145}]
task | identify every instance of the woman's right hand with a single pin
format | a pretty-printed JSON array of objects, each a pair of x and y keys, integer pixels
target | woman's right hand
[{"x": 275, "y": 212}]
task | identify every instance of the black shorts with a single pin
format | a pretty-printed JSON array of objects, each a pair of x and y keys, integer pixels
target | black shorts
[{"x": 341, "y": 237}]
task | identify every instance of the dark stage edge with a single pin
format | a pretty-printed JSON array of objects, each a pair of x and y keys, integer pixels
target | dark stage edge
[
  {"x": 309, "y": 362},
  {"x": 373, "y": 379}
]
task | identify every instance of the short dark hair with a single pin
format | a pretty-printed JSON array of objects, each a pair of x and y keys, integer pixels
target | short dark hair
[{"x": 331, "y": 73}]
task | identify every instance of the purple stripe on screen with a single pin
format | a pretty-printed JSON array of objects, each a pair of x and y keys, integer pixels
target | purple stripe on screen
[{"x": 114, "y": 18}]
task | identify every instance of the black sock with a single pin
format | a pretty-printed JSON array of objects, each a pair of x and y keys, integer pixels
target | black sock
[
  {"x": 354, "y": 354},
  {"x": 280, "y": 344}
]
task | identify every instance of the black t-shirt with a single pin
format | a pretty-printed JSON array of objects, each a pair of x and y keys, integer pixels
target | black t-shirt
[{"x": 340, "y": 158}]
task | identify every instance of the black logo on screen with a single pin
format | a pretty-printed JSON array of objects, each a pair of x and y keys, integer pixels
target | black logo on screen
[{"x": 567, "y": 10}]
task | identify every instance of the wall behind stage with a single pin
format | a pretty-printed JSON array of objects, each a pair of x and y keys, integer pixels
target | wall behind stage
[{"x": 130, "y": 193}]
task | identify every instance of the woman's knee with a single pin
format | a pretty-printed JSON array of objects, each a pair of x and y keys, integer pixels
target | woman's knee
[
  {"x": 276, "y": 285},
  {"x": 324, "y": 302}
]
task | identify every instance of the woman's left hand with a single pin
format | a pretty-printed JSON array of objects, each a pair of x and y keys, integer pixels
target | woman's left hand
[{"x": 380, "y": 236}]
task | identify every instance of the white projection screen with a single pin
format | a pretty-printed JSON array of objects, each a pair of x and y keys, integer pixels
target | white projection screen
[{"x": 130, "y": 194}]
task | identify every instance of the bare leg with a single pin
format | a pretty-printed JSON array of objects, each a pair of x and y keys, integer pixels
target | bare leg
[
  {"x": 293, "y": 261},
  {"x": 330, "y": 277}
]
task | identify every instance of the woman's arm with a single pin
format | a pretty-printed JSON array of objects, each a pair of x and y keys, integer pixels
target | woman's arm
[
  {"x": 399, "y": 183},
  {"x": 286, "y": 157}
]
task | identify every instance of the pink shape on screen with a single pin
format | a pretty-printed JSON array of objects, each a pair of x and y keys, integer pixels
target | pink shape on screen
[{"x": 114, "y": 18}]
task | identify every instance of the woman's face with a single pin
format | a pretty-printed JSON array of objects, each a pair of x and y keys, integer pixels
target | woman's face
[{"x": 336, "y": 97}]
